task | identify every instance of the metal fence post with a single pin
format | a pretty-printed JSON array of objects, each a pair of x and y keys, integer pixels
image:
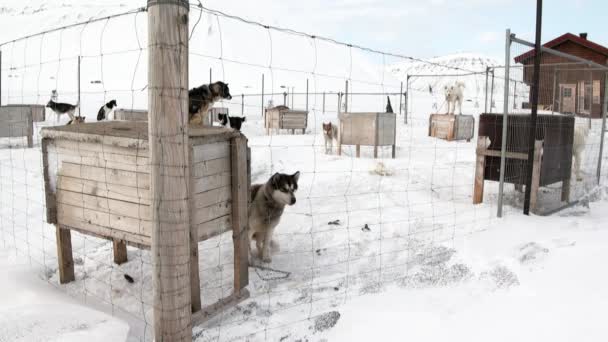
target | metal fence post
[
  {"x": 554, "y": 90},
  {"x": 323, "y": 102},
  {"x": 263, "y": 111},
  {"x": 492, "y": 93},
  {"x": 534, "y": 114},
  {"x": 602, "y": 134},
  {"x": 485, "y": 105},
  {"x": 503, "y": 149},
  {"x": 79, "y": 104},
  {"x": 210, "y": 75},
  {"x": 307, "y": 94},
  {"x": 346, "y": 97},
  {"x": 169, "y": 169},
  {"x": 242, "y": 104},
  {"x": 406, "y": 99},
  {"x": 401, "y": 99}
]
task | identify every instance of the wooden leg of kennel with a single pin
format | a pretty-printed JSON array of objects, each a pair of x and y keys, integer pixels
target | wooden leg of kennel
[
  {"x": 119, "y": 247},
  {"x": 480, "y": 166},
  {"x": 358, "y": 147},
  {"x": 393, "y": 153},
  {"x": 240, "y": 201},
  {"x": 538, "y": 156},
  {"x": 64, "y": 255}
]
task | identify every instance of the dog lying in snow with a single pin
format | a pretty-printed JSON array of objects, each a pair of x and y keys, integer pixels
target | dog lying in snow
[
  {"x": 454, "y": 94},
  {"x": 268, "y": 202},
  {"x": 578, "y": 147}
]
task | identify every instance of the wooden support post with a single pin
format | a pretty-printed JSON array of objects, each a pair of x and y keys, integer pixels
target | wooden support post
[
  {"x": 394, "y": 154},
  {"x": 358, "y": 147},
  {"x": 538, "y": 151},
  {"x": 566, "y": 190},
  {"x": 375, "y": 151},
  {"x": 120, "y": 251},
  {"x": 195, "y": 281},
  {"x": 169, "y": 169},
  {"x": 49, "y": 189},
  {"x": 240, "y": 202},
  {"x": 480, "y": 166},
  {"x": 340, "y": 139},
  {"x": 64, "y": 255},
  {"x": 30, "y": 129}
]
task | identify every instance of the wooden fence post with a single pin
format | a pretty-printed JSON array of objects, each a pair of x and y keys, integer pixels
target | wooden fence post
[{"x": 169, "y": 169}]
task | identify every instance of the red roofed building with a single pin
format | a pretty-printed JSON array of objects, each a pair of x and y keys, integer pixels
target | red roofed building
[{"x": 567, "y": 86}]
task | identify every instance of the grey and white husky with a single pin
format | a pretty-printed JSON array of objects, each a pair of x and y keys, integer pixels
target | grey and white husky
[
  {"x": 330, "y": 133},
  {"x": 268, "y": 202}
]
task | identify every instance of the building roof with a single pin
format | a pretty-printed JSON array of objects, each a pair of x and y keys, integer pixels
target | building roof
[{"x": 562, "y": 39}]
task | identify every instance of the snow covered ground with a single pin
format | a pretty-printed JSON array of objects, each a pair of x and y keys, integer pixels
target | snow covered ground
[{"x": 357, "y": 242}]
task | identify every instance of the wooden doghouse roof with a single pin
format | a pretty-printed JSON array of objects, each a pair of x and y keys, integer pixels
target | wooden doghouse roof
[
  {"x": 130, "y": 134},
  {"x": 562, "y": 39}
]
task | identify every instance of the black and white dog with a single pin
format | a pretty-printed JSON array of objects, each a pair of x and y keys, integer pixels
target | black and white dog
[
  {"x": 202, "y": 98},
  {"x": 268, "y": 202},
  {"x": 235, "y": 121},
  {"x": 105, "y": 110},
  {"x": 62, "y": 108}
]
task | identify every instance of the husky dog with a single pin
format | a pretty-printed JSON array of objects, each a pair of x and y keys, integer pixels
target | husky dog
[
  {"x": 454, "y": 95},
  {"x": 62, "y": 108},
  {"x": 234, "y": 121},
  {"x": 105, "y": 110},
  {"x": 203, "y": 98},
  {"x": 389, "y": 108},
  {"x": 578, "y": 147},
  {"x": 76, "y": 120},
  {"x": 268, "y": 202},
  {"x": 330, "y": 133}
]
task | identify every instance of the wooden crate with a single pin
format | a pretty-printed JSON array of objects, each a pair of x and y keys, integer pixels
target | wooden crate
[
  {"x": 18, "y": 121},
  {"x": 97, "y": 182},
  {"x": 131, "y": 114},
  {"x": 554, "y": 138},
  {"x": 451, "y": 127},
  {"x": 281, "y": 117},
  {"x": 368, "y": 129}
]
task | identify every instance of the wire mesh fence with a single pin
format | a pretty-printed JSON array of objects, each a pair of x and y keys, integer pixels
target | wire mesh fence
[
  {"x": 359, "y": 224},
  {"x": 571, "y": 113}
]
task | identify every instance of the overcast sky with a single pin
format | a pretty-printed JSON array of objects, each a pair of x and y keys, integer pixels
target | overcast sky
[{"x": 427, "y": 28}]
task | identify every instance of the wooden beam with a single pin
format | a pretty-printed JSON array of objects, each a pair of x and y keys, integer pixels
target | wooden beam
[
  {"x": 240, "y": 203},
  {"x": 64, "y": 255},
  {"x": 479, "y": 170},
  {"x": 496, "y": 153},
  {"x": 536, "y": 166},
  {"x": 195, "y": 281},
  {"x": 170, "y": 173},
  {"x": 120, "y": 251}
]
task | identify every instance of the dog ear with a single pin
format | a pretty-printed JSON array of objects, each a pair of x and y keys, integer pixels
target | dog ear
[
  {"x": 296, "y": 176},
  {"x": 274, "y": 180}
]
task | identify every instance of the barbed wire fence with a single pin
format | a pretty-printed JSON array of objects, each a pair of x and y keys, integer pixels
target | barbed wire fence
[{"x": 359, "y": 224}]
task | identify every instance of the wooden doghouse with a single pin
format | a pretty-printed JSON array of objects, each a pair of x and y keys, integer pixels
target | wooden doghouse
[
  {"x": 553, "y": 152},
  {"x": 97, "y": 182},
  {"x": 368, "y": 129},
  {"x": 131, "y": 114},
  {"x": 281, "y": 117},
  {"x": 18, "y": 121},
  {"x": 451, "y": 127}
]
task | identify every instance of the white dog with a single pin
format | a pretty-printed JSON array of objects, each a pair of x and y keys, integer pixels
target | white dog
[
  {"x": 454, "y": 95},
  {"x": 580, "y": 138}
]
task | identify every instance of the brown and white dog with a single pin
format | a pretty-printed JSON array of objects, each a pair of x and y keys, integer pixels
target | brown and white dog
[
  {"x": 202, "y": 98},
  {"x": 76, "y": 120},
  {"x": 330, "y": 133}
]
